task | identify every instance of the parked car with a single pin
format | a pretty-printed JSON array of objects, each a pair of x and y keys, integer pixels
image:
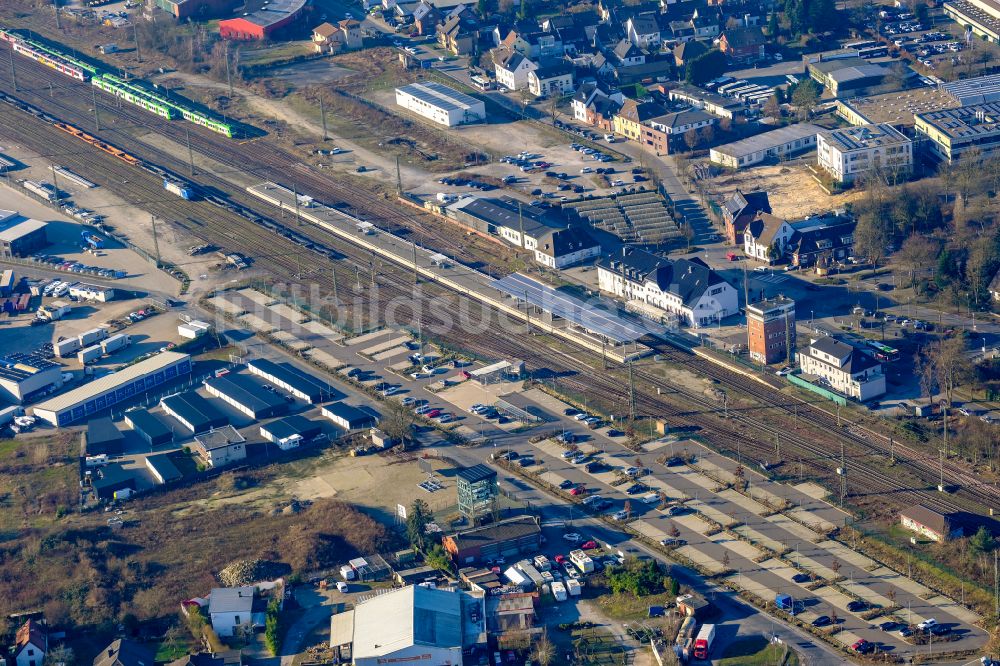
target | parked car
[
  {"x": 822, "y": 621},
  {"x": 572, "y": 537}
]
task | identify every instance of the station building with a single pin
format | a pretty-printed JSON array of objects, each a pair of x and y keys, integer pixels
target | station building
[{"x": 104, "y": 392}]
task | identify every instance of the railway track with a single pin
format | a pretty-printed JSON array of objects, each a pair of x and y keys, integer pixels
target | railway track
[{"x": 246, "y": 237}]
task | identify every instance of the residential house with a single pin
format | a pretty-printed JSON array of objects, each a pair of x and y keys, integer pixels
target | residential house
[
  {"x": 629, "y": 120},
  {"x": 627, "y": 54},
  {"x": 458, "y": 34},
  {"x": 932, "y": 524},
  {"x": 843, "y": 368},
  {"x": 821, "y": 241},
  {"x": 125, "y": 652},
  {"x": 426, "y": 18},
  {"x": 553, "y": 80},
  {"x": 743, "y": 46},
  {"x": 676, "y": 123},
  {"x": 561, "y": 248},
  {"x": 766, "y": 238},
  {"x": 643, "y": 31},
  {"x": 686, "y": 288},
  {"x": 31, "y": 644},
  {"x": 233, "y": 610},
  {"x": 591, "y": 101},
  {"x": 220, "y": 447},
  {"x": 533, "y": 43},
  {"x": 511, "y": 68},
  {"x": 346, "y": 35},
  {"x": 687, "y": 51},
  {"x": 681, "y": 31},
  {"x": 705, "y": 26},
  {"x": 739, "y": 209}
]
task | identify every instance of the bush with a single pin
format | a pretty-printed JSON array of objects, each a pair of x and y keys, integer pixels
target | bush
[{"x": 637, "y": 577}]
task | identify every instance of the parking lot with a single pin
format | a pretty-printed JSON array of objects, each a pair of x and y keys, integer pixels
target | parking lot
[{"x": 770, "y": 543}]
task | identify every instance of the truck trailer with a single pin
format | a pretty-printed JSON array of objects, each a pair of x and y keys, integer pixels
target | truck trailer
[
  {"x": 93, "y": 335},
  {"x": 703, "y": 641},
  {"x": 66, "y": 348},
  {"x": 89, "y": 354},
  {"x": 116, "y": 342}
]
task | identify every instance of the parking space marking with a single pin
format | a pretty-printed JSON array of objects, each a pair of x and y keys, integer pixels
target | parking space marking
[
  {"x": 753, "y": 535},
  {"x": 668, "y": 490},
  {"x": 811, "y": 565},
  {"x": 693, "y": 522},
  {"x": 845, "y": 554},
  {"x": 779, "y": 568},
  {"x": 792, "y": 527},
  {"x": 711, "y": 512},
  {"x": 646, "y": 528},
  {"x": 741, "y": 548},
  {"x": 712, "y": 565},
  {"x": 955, "y": 609},
  {"x": 744, "y": 502},
  {"x": 813, "y": 521},
  {"x": 834, "y": 597},
  {"x": 863, "y": 591}
]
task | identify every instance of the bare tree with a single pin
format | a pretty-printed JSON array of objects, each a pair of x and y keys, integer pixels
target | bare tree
[
  {"x": 397, "y": 421},
  {"x": 544, "y": 651},
  {"x": 952, "y": 367}
]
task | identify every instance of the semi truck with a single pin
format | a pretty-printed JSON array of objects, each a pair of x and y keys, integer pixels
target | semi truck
[
  {"x": 115, "y": 342},
  {"x": 703, "y": 641},
  {"x": 67, "y": 347},
  {"x": 93, "y": 335}
]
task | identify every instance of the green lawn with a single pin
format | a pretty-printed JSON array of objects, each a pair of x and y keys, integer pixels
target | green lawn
[
  {"x": 627, "y": 607},
  {"x": 757, "y": 651}
]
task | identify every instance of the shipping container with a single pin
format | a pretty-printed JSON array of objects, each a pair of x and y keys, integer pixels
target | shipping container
[
  {"x": 90, "y": 354},
  {"x": 66, "y": 348},
  {"x": 93, "y": 335},
  {"x": 6, "y": 283},
  {"x": 116, "y": 342}
]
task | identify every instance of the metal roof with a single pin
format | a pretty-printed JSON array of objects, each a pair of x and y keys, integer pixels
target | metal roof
[
  {"x": 440, "y": 96},
  {"x": 476, "y": 473},
  {"x": 195, "y": 410},
  {"x": 273, "y": 12},
  {"x": 18, "y": 366},
  {"x": 291, "y": 425},
  {"x": 113, "y": 381},
  {"x": 148, "y": 425},
  {"x": 164, "y": 466},
  {"x": 300, "y": 380},
  {"x": 767, "y": 140},
  {"x": 976, "y": 90},
  {"x": 248, "y": 393},
  {"x": 342, "y": 629},
  {"x": 16, "y": 231},
  {"x": 410, "y": 616},
  {"x": 349, "y": 413},
  {"x": 231, "y": 599},
  {"x": 572, "y": 309}
]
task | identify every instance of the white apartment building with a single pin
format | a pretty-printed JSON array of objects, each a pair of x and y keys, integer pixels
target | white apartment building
[
  {"x": 441, "y": 104},
  {"x": 850, "y": 152},
  {"x": 846, "y": 369}
]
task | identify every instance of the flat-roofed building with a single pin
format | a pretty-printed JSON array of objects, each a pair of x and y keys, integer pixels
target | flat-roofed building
[
  {"x": 130, "y": 382},
  {"x": 976, "y": 90},
  {"x": 477, "y": 492},
  {"x": 982, "y": 16},
  {"x": 163, "y": 469},
  {"x": 771, "y": 330},
  {"x": 103, "y": 438},
  {"x": 23, "y": 238},
  {"x": 441, "y": 104},
  {"x": 24, "y": 376},
  {"x": 849, "y": 153},
  {"x": 299, "y": 383},
  {"x": 505, "y": 538},
  {"x": 348, "y": 417},
  {"x": 777, "y": 144},
  {"x": 151, "y": 429},
  {"x": 951, "y": 133},
  {"x": 193, "y": 411},
  {"x": 710, "y": 102},
  {"x": 220, "y": 447},
  {"x": 896, "y": 108}
]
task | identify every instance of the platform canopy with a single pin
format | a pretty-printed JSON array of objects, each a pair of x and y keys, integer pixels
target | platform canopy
[{"x": 587, "y": 316}]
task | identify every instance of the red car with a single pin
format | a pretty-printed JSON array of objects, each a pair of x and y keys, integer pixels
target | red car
[
  {"x": 588, "y": 545},
  {"x": 434, "y": 413},
  {"x": 559, "y": 559},
  {"x": 579, "y": 490}
]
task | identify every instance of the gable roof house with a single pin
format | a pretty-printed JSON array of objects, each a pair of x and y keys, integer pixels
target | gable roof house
[
  {"x": 822, "y": 241},
  {"x": 125, "y": 652},
  {"x": 511, "y": 68},
  {"x": 743, "y": 45},
  {"x": 685, "y": 288},
  {"x": 552, "y": 80},
  {"x": 930, "y": 523},
  {"x": 844, "y": 368},
  {"x": 426, "y": 18},
  {"x": 629, "y": 120},
  {"x": 596, "y": 104},
  {"x": 230, "y": 609},
  {"x": 458, "y": 34},
  {"x": 561, "y": 248},
  {"x": 739, "y": 209},
  {"x": 687, "y": 51},
  {"x": 31, "y": 644},
  {"x": 643, "y": 31},
  {"x": 766, "y": 237},
  {"x": 329, "y": 38},
  {"x": 627, "y": 54}
]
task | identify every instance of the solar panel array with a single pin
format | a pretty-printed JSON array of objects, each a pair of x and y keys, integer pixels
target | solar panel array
[
  {"x": 440, "y": 96},
  {"x": 585, "y": 315},
  {"x": 640, "y": 218}
]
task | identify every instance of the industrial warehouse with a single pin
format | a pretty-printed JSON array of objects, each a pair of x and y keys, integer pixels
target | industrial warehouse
[
  {"x": 193, "y": 412},
  {"x": 247, "y": 396},
  {"x": 441, "y": 104},
  {"x": 24, "y": 376},
  {"x": 107, "y": 391},
  {"x": 300, "y": 384}
]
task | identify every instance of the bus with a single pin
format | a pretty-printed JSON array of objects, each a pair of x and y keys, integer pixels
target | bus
[
  {"x": 482, "y": 82},
  {"x": 884, "y": 353}
]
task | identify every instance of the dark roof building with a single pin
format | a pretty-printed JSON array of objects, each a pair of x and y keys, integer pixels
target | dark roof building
[
  {"x": 148, "y": 427},
  {"x": 103, "y": 437},
  {"x": 162, "y": 467},
  {"x": 299, "y": 383},
  {"x": 290, "y": 426},
  {"x": 347, "y": 416},
  {"x": 739, "y": 209},
  {"x": 247, "y": 395},
  {"x": 108, "y": 480},
  {"x": 125, "y": 652},
  {"x": 193, "y": 412},
  {"x": 504, "y": 538}
]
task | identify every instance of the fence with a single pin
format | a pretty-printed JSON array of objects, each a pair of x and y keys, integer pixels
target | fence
[{"x": 818, "y": 390}]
